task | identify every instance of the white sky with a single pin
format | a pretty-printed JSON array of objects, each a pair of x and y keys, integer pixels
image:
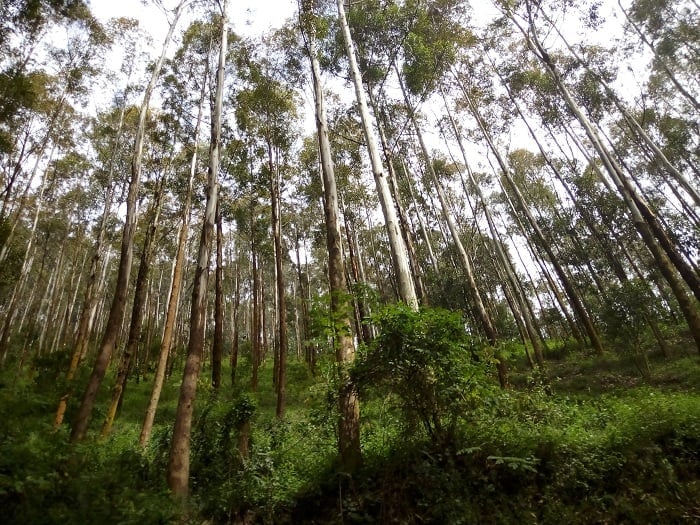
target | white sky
[{"x": 247, "y": 17}]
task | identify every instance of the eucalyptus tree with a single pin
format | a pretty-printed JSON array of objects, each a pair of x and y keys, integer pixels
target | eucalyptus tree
[
  {"x": 266, "y": 113},
  {"x": 24, "y": 26},
  {"x": 304, "y": 212},
  {"x": 53, "y": 144},
  {"x": 108, "y": 139},
  {"x": 677, "y": 272},
  {"x": 189, "y": 72},
  {"x": 50, "y": 122},
  {"x": 525, "y": 308},
  {"x": 116, "y": 313},
  {"x": 400, "y": 262},
  {"x": 179, "y": 459},
  {"x": 349, "y": 409},
  {"x": 164, "y": 159},
  {"x": 667, "y": 29},
  {"x": 596, "y": 75},
  {"x": 356, "y": 199},
  {"x": 40, "y": 282},
  {"x": 466, "y": 263}
]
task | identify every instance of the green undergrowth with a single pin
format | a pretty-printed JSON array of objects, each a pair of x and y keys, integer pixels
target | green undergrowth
[{"x": 593, "y": 443}]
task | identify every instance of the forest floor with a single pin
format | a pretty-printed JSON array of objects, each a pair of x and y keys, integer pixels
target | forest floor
[{"x": 594, "y": 444}]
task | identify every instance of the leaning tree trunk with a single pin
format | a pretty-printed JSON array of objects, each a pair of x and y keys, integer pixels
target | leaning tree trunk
[
  {"x": 669, "y": 261},
  {"x": 520, "y": 301},
  {"x": 474, "y": 292},
  {"x": 406, "y": 287},
  {"x": 22, "y": 279},
  {"x": 176, "y": 283},
  {"x": 632, "y": 121},
  {"x": 608, "y": 245},
  {"x": 116, "y": 313},
  {"x": 140, "y": 293},
  {"x": 660, "y": 60},
  {"x": 571, "y": 292},
  {"x": 667, "y": 258},
  {"x": 87, "y": 312},
  {"x": 406, "y": 232},
  {"x": 179, "y": 461}
]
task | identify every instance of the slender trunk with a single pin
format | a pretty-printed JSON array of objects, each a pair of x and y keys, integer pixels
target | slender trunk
[
  {"x": 283, "y": 344},
  {"x": 667, "y": 258},
  {"x": 632, "y": 121},
  {"x": 217, "y": 352},
  {"x": 70, "y": 306},
  {"x": 116, "y": 313},
  {"x": 362, "y": 328},
  {"x": 19, "y": 209},
  {"x": 91, "y": 289},
  {"x": 406, "y": 232},
  {"x": 257, "y": 316},
  {"x": 175, "y": 284},
  {"x": 140, "y": 292},
  {"x": 179, "y": 461},
  {"x": 519, "y": 299},
  {"x": 571, "y": 292},
  {"x": 406, "y": 287},
  {"x": 23, "y": 276},
  {"x": 349, "y": 405},
  {"x": 475, "y": 294},
  {"x": 421, "y": 220},
  {"x": 660, "y": 61},
  {"x": 304, "y": 294},
  {"x": 235, "y": 322},
  {"x": 52, "y": 296}
]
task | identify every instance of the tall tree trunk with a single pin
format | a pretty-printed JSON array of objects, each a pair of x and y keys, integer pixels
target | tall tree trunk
[
  {"x": 662, "y": 249},
  {"x": 304, "y": 300},
  {"x": 519, "y": 298},
  {"x": 363, "y": 331},
  {"x": 116, "y": 313},
  {"x": 217, "y": 352},
  {"x": 474, "y": 292},
  {"x": 571, "y": 292},
  {"x": 349, "y": 405},
  {"x": 179, "y": 461},
  {"x": 23, "y": 276},
  {"x": 140, "y": 293},
  {"x": 87, "y": 312},
  {"x": 175, "y": 283},
  {"x": 52, "y": 295},
  {"x": 406, "y": 287},
  {"x": 421, "y": 220},
  {"x": 660, "y": 60},
  {"x": 406, "y": 232},
  {"x": 235, "y": 323},
  {"x": 631, "y": 120},
  {"x": 609, "y": 249},
  {"x": 283, "y": 344},
  {"x": 257, "y": 315}
]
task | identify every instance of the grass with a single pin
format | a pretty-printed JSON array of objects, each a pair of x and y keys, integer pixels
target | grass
[{"x": 605, "y": 447}]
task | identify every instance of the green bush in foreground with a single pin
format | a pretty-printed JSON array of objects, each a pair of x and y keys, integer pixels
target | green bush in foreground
[{"x": 430, "y": 366}]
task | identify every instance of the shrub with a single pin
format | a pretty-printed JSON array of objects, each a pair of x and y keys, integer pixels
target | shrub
[{"x": 429, "y": 363}]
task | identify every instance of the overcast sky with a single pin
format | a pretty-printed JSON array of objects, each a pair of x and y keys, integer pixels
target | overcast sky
[{"x": 247, "y": 17}]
